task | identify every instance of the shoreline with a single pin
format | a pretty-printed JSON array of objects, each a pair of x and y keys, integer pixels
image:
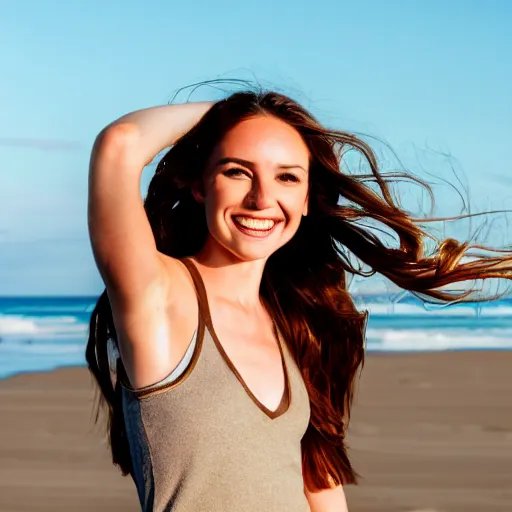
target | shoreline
[
  {"x": 368, "y": 353},
  {"x": 429, "y": 431}
]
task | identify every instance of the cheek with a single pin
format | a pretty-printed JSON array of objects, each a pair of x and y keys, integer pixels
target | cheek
[
  {"x": 217, "y": 200},
  {"x": 294, "y": 204},
  {"x": 221, "y": 196}
]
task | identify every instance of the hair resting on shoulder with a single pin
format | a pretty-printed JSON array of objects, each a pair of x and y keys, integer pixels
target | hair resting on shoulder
[{"x": 304, "y": 281}]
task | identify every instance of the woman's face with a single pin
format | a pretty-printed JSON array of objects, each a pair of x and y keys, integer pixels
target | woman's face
[{"x": 256, "y": 187}]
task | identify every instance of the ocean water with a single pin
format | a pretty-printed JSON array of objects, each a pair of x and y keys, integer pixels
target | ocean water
[{"x": 44, "y": 333}]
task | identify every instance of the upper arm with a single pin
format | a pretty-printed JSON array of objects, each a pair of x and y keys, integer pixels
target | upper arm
[
  {"x": 136, "y": 275},
  {"x": 327, "y": 500},
  {"x": 121, "y": 237},
  {"x": 147, "y": 290}
]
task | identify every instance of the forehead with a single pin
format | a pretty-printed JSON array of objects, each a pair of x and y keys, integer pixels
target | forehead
[{"x": 264, "y": 140}]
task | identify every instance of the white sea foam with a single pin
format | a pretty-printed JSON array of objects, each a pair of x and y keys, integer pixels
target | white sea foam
[
  {"x": 29, "y": 342},
  {"x": 496, "y": 311},
  {"x": 40, "y": 343},
  {"x": 40, "y": 326},
  {"x": 11, "y": 324},
  {"x": 392, "y": 340}
]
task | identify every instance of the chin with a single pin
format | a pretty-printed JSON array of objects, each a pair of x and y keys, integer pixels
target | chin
[{"x": 252, "y": 253}]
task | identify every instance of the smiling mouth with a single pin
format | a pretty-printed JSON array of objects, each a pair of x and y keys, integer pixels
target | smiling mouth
[{"x": 258, "y": 228}]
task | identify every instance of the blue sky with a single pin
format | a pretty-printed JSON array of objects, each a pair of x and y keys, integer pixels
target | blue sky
[{"x": 430, "y": 78}]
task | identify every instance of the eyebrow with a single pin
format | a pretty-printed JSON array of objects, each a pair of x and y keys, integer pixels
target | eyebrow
[{"x": 251, "y": 165}]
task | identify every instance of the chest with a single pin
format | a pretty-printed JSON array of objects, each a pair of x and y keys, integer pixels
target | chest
[{"x": 253, "y": 351}]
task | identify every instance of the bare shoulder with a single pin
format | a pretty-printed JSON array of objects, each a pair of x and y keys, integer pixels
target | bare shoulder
[{"x": 154, "y": 332}]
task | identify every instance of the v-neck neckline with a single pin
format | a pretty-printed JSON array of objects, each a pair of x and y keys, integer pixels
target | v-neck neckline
[{"x": 284, "y": 404}]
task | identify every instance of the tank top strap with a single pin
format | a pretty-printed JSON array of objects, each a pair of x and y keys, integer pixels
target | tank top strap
[{"x": 204, "y": 309}]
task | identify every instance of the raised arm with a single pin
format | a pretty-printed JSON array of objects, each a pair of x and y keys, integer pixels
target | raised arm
[
  {"x": 136, "y": 275},
  {"x": 121, "y": 237}
]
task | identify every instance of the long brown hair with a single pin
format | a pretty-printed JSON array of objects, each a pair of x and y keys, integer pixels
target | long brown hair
[{"x": 304, "y": 282}]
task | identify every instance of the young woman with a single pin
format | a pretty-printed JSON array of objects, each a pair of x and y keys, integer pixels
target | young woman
[{"x": 225, "y": 295}]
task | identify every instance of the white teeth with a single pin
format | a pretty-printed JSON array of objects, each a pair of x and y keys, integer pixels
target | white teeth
[{"x": 255, "y": 223}]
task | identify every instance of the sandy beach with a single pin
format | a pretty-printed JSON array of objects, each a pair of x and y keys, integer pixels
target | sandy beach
[{"x": 429, "y": 433}]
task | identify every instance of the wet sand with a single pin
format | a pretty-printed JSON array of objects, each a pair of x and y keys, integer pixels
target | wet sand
[{"x": 429, "y": 433}]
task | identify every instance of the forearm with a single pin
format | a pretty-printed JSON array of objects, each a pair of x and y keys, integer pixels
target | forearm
[{"x": 152, "y": 129}]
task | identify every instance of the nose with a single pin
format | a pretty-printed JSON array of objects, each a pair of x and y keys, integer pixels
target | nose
[{"x": 260, "y": 196}]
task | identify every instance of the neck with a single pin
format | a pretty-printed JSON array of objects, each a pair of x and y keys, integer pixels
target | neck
[{"x": 230, "y": 279}]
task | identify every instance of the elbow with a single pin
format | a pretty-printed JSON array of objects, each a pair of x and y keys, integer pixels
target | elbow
[
  {"x": 117, "y": 137},
  {"x": 115, "y": 143}
]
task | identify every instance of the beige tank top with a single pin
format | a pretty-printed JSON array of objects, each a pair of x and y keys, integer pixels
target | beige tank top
[{"x": 204, "y": 443}]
